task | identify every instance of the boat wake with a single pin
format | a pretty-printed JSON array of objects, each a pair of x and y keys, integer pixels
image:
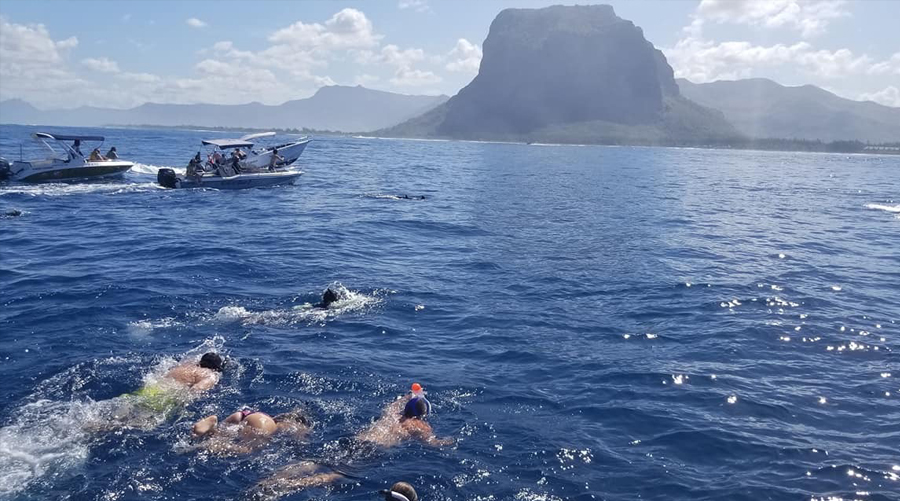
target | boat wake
[
  {"x": 387, "y": 196},
  {"x": 51, "y": 436},
  {"x": 895, "y": 209},
  {"x": 152, "y": 170},
  {"x": 349, "y": 301},
  {"x": 65, "y": 189}
]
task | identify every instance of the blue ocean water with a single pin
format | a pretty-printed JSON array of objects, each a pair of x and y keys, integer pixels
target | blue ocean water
[{"x": 589, "y": 322}]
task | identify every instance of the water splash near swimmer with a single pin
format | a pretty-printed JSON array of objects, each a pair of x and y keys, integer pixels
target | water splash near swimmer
[
  {"x": 49, "y": 437},
  {"x": 345, "y": 301}
]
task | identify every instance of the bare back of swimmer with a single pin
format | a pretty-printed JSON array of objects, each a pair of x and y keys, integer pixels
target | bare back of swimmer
[
  {"x": 401, "y": 420},
  {"x": 246, "y": 431}
]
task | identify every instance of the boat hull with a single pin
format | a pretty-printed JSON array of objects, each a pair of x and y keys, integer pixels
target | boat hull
[
  {"x": 57, "y": 173},
  {"x": 238, "y": 182}
]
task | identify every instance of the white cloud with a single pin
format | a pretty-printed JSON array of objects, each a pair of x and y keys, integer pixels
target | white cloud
[
  {"x": 889, "y": 96},
  {"x": 810, "y": 17},
  {"x": 102, "y": 65},
  {"x": 33, "y": 65},
  {"x": 702, "y": 60},
  {"x": 365, "y": 79},
  {"x": 403, "y": 61},
  {"x": 891, "y": 66},
  {"x": 465, "y": 57},
  {"x": 407, "y": 77},
  {"x": 391, "y": 54},
  {"x": 196, "y": 23},
  {"x": 416, "y": 5},
  {"x": 347, "y": 29},
  {"x": 126, "y": 18}
]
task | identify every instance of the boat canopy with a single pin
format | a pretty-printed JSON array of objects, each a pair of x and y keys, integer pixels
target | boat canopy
[
  {"x": 228, "y": 143},
  {"x": 250, "y": 137},
  {"x": 59, "y": 137}
]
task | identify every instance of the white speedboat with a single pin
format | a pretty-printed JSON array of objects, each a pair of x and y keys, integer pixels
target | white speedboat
[
  {"x": 234, "y": 164},
  {"x": 169, "y": 179},
  {"x": 67, "y": 165},
  {"x": 260, "y": 157}
]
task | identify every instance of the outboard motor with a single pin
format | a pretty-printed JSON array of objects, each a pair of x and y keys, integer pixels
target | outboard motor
[
  {"x": 167, "y": 178},
  {"x": 5, "y": 171}
]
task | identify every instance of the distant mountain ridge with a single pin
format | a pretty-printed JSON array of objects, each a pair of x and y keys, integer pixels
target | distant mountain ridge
[
  {"x": 761, "y": 108},
  {"x": 338, "y": 108},
  {"x": 570, "y": 74}
]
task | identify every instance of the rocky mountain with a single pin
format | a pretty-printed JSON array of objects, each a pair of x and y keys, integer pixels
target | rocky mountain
[
  {"x": 764, "y": 109},
  {"x": 571, "y": 74},
  {"x": 339, "y": 108}
]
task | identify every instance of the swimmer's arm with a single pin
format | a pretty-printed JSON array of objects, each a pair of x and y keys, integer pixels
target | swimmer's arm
[
  {"x": 422, "y": 431},
  {"x": 226, "y": 447},
  {"x": 205, "y": 426}
]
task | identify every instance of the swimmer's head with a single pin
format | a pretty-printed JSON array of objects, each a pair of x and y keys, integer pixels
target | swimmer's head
[
  {"x": 212, "y": 361},
  {"x": 401, "y": 491},
  {"x": 416, "y": 408},
  {"x": 416, "y": 388},
  {"x": 329, "y": 296}
]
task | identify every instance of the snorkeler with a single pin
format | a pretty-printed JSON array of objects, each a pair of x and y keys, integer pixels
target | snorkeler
[
  {"x": 401, "y": 491},
  {"x": 157, "y": 400},
  {"x": 396, "y": 426},
  {"x": 248, "y": 430},
  {"x": 401, "y": 420}
]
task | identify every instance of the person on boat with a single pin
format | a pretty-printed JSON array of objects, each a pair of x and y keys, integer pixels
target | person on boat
[
  {"x": 275, "y": 159},
  {"x": 76, "y": 150},
  {"x": 401, "y": 491},
  {"x": 193, "y": 168},
  {"x": 96, "y": 156},
  {"x": 401, "y": 420},
  {"x": 216, "y": 158},
  {"x": 236, "y": 161},
  {"x": 111, "y": 154},
  {"x": 247, "y": 430}
]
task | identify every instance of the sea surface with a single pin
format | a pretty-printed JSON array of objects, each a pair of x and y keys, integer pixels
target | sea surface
[{"x": 590, "y": 322}]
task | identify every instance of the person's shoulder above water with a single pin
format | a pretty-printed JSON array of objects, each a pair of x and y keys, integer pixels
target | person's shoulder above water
[{"x": 201, "y": 375}]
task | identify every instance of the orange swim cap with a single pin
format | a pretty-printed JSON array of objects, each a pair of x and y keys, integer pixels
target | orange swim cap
[{"x": 416, "y": 387}]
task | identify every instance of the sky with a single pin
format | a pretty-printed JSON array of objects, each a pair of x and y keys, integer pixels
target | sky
[{"x": 118, "y": 54}]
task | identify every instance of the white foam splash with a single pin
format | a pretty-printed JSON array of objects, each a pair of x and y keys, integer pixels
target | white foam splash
[
  {"x": 349, "y": 301},
  {"x": 143, "y": 327},
  {"x": 895, "y": 209},
  {"x": 65, "y": 189},
  {"x": 153, "y": 170},
  {"x": 48, "y": 437}
]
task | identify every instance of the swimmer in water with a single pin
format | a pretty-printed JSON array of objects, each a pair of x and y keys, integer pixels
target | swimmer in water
[
  {"x": 156, "y": 401},
  {"x": 401, "y": 491},
  {"x": 247, "y": 430},
  {"x": 400, "y": 421},
  {"x": 329, "y": 297}
]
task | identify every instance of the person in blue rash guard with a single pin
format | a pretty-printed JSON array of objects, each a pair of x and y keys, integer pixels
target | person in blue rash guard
[{"x": 401, "y": 420}]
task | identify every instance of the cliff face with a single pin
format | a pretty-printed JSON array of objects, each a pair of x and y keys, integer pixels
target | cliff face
[
  {"x": 558, "y": 66},
  {"x": 561, "y": 65}
]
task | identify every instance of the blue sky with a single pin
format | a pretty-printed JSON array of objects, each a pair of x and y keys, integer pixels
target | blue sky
[{"x": 121, "y": 54}]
